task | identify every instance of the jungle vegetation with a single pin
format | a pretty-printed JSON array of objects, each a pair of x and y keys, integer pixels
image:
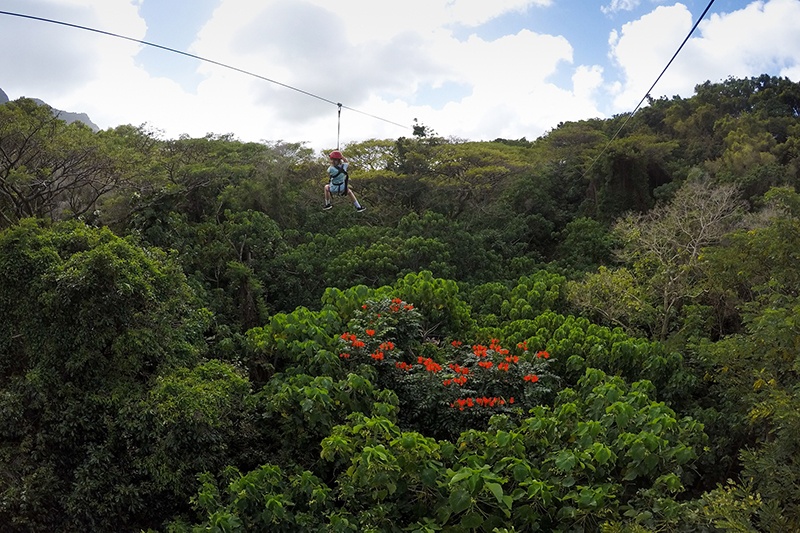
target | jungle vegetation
[{"x": 575, "y": 333}]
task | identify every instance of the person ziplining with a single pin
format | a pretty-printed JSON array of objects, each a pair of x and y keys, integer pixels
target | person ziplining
[{"x": 338, "y": 181}]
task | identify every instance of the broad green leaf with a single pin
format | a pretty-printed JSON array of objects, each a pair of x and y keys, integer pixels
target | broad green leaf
[
  {"x": 471, "y": 520},
  {"x": 497, "y": 490},
  {"x": 566, "y": 460},
  {"x": 459, "y": 500}
]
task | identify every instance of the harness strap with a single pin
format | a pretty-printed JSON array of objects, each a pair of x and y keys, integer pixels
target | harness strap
[{"x": 339, "y": 172}]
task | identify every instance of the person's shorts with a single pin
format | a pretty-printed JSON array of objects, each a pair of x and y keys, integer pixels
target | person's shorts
[{"x": 340, "y": 189}]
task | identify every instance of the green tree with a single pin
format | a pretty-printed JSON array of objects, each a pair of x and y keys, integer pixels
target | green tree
[
  {"x": 87, "y": 322},
  {"x": 663, "y": 248},
  {"x": 49, "y": 168}
]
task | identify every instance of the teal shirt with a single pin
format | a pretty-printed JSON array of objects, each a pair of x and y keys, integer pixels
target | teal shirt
[{"x": 333, "y": 171}]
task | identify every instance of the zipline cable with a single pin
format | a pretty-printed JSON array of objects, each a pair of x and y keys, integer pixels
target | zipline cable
[
  {"x": 205, "y": 59},
  {"x": 650, "y": 89}
]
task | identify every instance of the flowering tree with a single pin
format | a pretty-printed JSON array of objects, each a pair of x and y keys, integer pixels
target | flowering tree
[{"x": 443, "y": 389}]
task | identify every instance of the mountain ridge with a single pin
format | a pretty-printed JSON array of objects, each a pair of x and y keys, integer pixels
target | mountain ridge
[{"x": 67, "y": 116}]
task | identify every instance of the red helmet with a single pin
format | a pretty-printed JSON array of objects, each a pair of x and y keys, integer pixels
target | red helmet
[{"x": 336, "y": 154}]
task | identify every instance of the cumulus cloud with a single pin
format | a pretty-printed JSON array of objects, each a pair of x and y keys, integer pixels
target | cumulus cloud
[
  {"x": 38, "y": 62},
  {"x": 381, "y": 63},
  {"x": 620, "y": 5},
  {"x": 743, "y": 43},
  {"x": 642, "y": 49},
  {"x": 362, "y": 55}
]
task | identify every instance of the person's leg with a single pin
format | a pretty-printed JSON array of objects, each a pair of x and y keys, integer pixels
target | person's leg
[
  {"x": 327, "y": 196},
  {"x": 353, "y": 198}
]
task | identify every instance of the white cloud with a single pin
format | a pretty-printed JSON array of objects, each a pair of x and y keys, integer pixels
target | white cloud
[
  {"x": 586, "y": 81},
  {"x": 620, "y": 5},
  {"x": 51, "y": 68},
  {"x": 379, "y": 62},
  {"x": 758, "y": 39},
  {"x": 749, "y": 42},
  {"x": 362, "y": 55},
  {"x": 354, "y": 53},
  {"x": 643, "y": 47}
]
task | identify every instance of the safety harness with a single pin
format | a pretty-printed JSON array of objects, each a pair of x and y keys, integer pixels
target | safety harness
[{"x": 339, "y": 172}]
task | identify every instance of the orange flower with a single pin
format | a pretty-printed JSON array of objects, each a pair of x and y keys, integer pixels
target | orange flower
[
  {"x": 344, "y": 355},
  {"x": 503, "y": 367},
  {"x": 358, "y": 344},
  {"x": 429, "y": 364},
  {"x": 456, "y": 344},
  {"x": 511, "y": 400},
  {"x": 543, "y": 354},
  {"x": 370, "y": 332},
  {"x": 378, "y": 356},
  {"x": 532, "y": 378},
  {"x": 485, "y": 364}
]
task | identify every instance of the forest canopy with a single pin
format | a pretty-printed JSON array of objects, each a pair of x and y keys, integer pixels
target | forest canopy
[{"x": 582, "y": 332}]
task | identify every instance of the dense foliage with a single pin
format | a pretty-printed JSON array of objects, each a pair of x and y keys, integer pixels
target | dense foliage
[{"x": 568, "y": 334}]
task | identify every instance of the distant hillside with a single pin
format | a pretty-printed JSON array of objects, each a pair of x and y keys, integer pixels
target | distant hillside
[
  {"x": 66, "y": 116},
  {"x": 69, "y": 117}
]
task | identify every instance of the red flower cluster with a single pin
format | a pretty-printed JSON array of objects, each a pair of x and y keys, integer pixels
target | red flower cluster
[
  {"x": 388, "y": 345},
  {"x": 344, "y": 355},
  {"x": 462, "y": 403},
  {"x": 458, "y": 381},
  {"x": 458, "y": 369},
  {"x": 456, "y": 344},
  {"x": 354, "y": 342},
  {"x": 378, "y": 355},
  {"x": 531, "y": 377},
  {"x": 495, "y": 345},
  {"x": 479, "y": 350},
  {"x": 523, "y": 345},
  {"x": 370, "y": 332},
  {"x": 396, "y": 305},
  {"x": 485, "y": 364},
  {"x": 429, "y": 364},
  {"x": 402, "y": 365},
  {"x": 502, "y": 366},
  {"x": 512, "y": 359},
  {"x": 543, "y": 355}
]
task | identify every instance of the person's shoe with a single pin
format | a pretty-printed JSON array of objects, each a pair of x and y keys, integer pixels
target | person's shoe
[
  {"x": 327, "y": 206},
  {"x": 360, "y": 209}
]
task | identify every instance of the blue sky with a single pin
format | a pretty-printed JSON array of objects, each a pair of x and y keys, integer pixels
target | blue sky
[{"x": 469, "y": 69}]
